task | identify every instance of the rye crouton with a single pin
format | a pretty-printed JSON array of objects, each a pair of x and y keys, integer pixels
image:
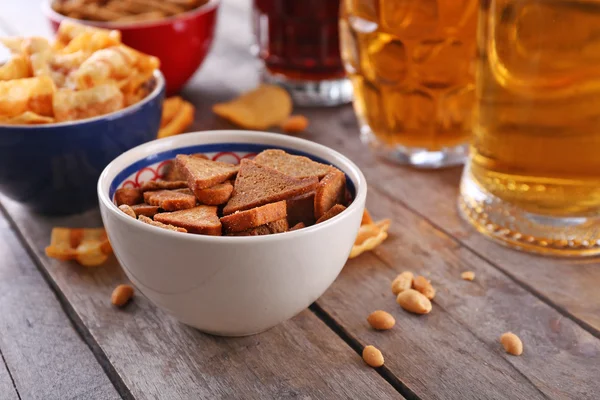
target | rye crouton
[
  {"x": 243, "y": 220},
  {"x": 201, "y": 219},
  {"x": 150, "y": 221},
  {"x": 296, "y": 166},
  {"x": 145, "y": 209},
  {"x": 216, "y": 195},
  {"x": 201, "y": 173},
  {"x": 163, "y": 185},
  {"x": 257, "y": 185},
  {"x": 301, "y": 209},
  {"x": 127, "y": 210},
  {"x": 278, "y": 226},
  {"x": 129, "y": 196},
  {"x": 174, "y": 174},
  {"x": 330, "y": 191},
  {"x": 171, "y": 200},
  {"x": 333, "y": 211},
  {"x": 299, "y": 225}
]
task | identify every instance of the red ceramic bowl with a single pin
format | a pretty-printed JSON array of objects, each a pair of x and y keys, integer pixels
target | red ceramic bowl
[{"x": 180, "y": 42}]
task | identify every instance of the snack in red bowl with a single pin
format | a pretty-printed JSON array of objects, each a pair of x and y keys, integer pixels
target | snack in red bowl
[{"x": 181, "y": 41}]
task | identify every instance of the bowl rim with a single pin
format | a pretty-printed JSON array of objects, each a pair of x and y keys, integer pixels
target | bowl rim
[
  {"x": 160, "y": 145},
  {"x": 158, "y": 88},
  {"x": 57, "y": 17}
]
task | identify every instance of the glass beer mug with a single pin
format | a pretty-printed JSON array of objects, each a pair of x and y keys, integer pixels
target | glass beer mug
[
  {"x": 412, "y": 64},
  {"x": 298, "y": 42},
  {"x": 533, "y": 179}
]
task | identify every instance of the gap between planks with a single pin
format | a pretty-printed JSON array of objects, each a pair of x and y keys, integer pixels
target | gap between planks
[
  {"x": 77, "y": 323},
  {"x": 12, "y": 380},
  {"x": 355, "y": 345},
  {"x": 561, "y": 310}
]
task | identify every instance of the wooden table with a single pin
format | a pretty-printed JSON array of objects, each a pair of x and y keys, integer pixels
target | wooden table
[{"x": 61, "y": 339}]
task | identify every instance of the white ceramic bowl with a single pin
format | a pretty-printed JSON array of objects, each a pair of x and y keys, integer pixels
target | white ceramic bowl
[{"x": 230, "y": 286}]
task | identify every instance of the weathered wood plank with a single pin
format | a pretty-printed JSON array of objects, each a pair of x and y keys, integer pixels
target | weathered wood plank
[
  {"x": 560, "y": 359},
  {"x": 7, "y": 388},
  {"x": 45, "y": 355},
  {"x": 156, "y": 357}
]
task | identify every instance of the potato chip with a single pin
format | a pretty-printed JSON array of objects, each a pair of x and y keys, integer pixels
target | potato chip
[
  {"x": 40, "y": 64},
  {"x": 90, "y": 42},
  {"x": 134, "y": 97},
  {"x": 69, "y": 62},
  {"x": 370, "y": 234},
  {"x": 27, "y": 118},
  {"x": 147, "y": 16},
  {"x": 95, "y": 73},
  {"x": 128, "y": 67},
  {"x": 13, "y": 43},
  {"x": 61, "y": 65},
  {"x": 136, "y": 80},
  {"x": 144, "y": 64},
  {"x": 127, "y": 7},
  {"x": 366, "y": 218},
  {"x": 39, "y": 53},
  {"x": 123, "y": 10},
  {"x": 29, "y": 94},
  {"x": 103, "y": 66},
  {"x": 15, "y": 68},
  {"x": 368, "y": 245},
  {"x": 170, "y": 108},
  {"x": 365, "y": 232},
  {"x": 384, "y": 224},
  {"x": 179, "y": 122},
  {"x": 261, "y": 108},
  {"x": 71, "y": 105},
  {"x": 35, "y": 44},
  {"x": 295, "y": 124},
  {"x": 89, "y": 247},
  {"x": 97, "y": 37}
]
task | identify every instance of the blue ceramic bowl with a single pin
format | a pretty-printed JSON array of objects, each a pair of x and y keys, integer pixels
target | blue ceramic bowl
[{"x": 54, "y": 168}]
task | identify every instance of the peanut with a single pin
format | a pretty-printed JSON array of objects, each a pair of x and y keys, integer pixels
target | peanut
[
  {"x": 121, "y": 295},
  {"x": 512, "y": 344},
  {"x": 372, "y": 356},
  {"x": 421, "y": 284},
  {"x": 468, "y": 275},
  {"x": 295, "y": 124},
  {"x": 402, "y": 282},
  {"x": 414, "y": 302},
  {"x": 381, "y": 320}
]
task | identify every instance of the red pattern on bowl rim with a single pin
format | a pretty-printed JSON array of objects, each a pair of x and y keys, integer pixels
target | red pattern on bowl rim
[{"x": 158, "y": 170}]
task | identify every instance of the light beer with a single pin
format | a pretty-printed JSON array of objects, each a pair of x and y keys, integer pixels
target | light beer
[
  {"x": 537, "y": 125},
  {"x": 412, "y": 65},
  {"x": 533, "y": 179}
]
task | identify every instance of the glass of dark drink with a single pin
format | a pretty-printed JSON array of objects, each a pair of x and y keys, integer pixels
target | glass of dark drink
[{"x": 298, "y": 43}]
